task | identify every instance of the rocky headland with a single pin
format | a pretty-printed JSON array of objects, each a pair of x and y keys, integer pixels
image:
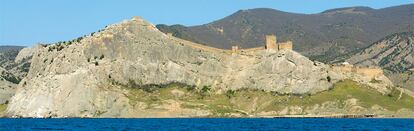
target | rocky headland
[{"x": 131, "y": 69}]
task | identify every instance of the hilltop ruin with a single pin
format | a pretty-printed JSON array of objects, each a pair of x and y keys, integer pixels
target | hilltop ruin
[{"x": 272, "y": 43}]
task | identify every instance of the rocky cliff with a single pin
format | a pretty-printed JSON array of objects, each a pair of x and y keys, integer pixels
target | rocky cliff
[{"x": 108, "y": 73}]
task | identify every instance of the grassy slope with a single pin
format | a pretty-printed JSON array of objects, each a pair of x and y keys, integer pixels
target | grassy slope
[
  {"x": 255, "y": 101},
  {"x": 3, "y": 108}
]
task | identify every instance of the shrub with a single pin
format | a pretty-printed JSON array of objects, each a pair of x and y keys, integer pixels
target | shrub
[
  {"x": 230, "y": 93},
  {"x": 205, "y": 91}
]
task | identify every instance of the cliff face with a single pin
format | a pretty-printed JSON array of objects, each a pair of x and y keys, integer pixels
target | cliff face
[{"x": 88, "y": 78}]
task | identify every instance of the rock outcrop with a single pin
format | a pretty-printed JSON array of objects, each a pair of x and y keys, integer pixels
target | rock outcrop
[{"x": 79, "y": 79}]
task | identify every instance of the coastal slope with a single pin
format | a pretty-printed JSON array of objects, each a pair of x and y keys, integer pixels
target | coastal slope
[{"x": 131, "y": 69}]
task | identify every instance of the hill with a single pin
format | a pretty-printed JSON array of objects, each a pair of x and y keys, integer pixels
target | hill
[
  {"x": 18, "y": 69},
  {"x": 394, "y": 53},
  {"x": 321, "y": 36},
  {"x": 131, "y": 69},
  {"x": 8, "y": 54}
]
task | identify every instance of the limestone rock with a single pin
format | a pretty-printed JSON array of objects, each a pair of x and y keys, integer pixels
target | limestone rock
[{"x": 73, "y": 80}]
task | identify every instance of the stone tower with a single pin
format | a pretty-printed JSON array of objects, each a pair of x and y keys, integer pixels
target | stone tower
[
  {"x": 271, "y": 42},
  {"x": 234, "y": 49}
]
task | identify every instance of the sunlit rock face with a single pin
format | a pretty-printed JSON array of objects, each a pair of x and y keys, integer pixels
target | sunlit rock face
[{"x": 77, "y": 79}]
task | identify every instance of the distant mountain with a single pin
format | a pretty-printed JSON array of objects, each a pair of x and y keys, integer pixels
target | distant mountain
[
  {"x": 322, "y": 36},
  {"x": 18, "y": 69},
  {"x": 8, "y": 80},
  {"x": 8, "y": 54}
]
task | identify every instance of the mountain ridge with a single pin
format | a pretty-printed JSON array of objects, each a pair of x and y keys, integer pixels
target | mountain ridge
[
  {"x": 320, "y": 36},
  {"x": 394, "y": 53}
]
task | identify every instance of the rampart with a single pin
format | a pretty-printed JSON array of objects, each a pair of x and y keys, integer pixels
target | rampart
[
  {"x": 371, "y": 72},
  {"x": 286, "y": 45}
]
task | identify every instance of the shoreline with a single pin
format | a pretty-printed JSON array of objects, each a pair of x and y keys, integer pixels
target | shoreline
[{"x": 340, "y": 116}]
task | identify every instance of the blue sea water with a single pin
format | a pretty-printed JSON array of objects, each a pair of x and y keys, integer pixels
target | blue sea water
[{"x": 208, "y": 124}]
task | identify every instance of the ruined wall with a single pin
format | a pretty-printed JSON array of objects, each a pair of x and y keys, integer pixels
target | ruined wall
[
  {"x": 286, "y": 45},
  {"x": 271, "y": 42},
  {"x": 370, "y": 72},
  {"x": 365, "y": 71}
]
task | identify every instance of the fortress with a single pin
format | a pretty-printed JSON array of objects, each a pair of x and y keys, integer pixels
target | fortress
[
  {"x": 371, "y": 72},
  {"x": 271, "y": 44}
]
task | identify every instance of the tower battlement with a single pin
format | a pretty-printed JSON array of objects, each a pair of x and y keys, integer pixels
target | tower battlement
[{"x": 271, "y": 43}]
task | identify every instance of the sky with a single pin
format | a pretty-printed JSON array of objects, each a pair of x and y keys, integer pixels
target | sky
[{"x": 28, "y": 22}]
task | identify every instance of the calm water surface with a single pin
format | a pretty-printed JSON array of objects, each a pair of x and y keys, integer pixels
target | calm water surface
[{"x": 208, "y": 124}]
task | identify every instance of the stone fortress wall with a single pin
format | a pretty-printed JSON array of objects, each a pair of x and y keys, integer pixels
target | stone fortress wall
[
  {"x": 371, "y": 72},
  {"x": 270, "y": 44}
]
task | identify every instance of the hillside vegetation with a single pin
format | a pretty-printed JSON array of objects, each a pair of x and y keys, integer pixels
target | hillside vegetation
[
  {"x": 347, "y": 97},
  {"x": 394, "y": 53}
]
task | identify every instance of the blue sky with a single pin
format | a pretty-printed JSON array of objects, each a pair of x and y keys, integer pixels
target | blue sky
[{"x": 27, "y": 22}]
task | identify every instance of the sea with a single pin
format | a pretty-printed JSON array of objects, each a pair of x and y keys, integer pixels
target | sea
[{"x": 236, "y": 124}]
